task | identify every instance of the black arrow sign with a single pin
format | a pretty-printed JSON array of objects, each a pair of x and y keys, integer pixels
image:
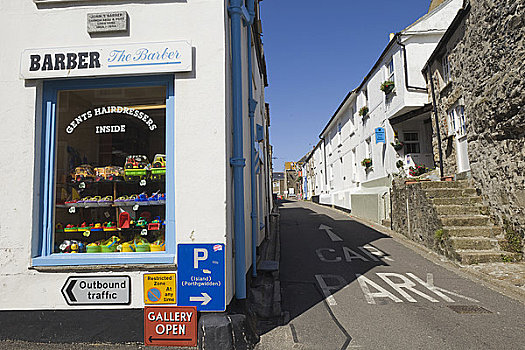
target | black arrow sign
[
  {"x": 167, "y": 339},
  {"x": 69, "y": 290}
]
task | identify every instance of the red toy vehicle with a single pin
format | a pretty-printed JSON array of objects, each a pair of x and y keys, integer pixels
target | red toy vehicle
[{"x": 136, "y": 167}]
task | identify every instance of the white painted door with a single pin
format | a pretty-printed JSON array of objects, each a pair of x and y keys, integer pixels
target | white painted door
[{"x": 461, "y": 139}]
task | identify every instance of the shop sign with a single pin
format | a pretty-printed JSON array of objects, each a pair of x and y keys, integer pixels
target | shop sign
[
  {"x": 170, "y": 326},
  {"x": 104, "y": 22},
  {"x": 97, "y": 290},
  {"x": 201, "y": 276},
  {"x": 159, "y": 288},
  {"x": 380, "y": 135},
  {"x": 102, "y": 129},
  {"x": 161, "y": 57}
]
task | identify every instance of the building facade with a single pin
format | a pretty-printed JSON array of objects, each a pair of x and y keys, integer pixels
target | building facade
[
  {"x": 477, "y": 97},
  {"x": 383, "y": 126},
  {"x": 135, "y": 129}
]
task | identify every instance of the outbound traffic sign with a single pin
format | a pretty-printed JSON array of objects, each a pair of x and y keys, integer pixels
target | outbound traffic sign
[
  {"x": 200, "y": 276},
  {"x": 170, "y": 326},
  {"x": 97, "y": 290}
]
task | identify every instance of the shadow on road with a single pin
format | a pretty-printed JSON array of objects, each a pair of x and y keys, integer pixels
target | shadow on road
[{"x": 322, "y": 252}]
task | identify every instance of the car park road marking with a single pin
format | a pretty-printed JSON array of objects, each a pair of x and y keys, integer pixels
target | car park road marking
[{"x": 330, "y": 233}]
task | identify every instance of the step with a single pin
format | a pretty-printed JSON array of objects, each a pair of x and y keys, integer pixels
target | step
[
  {"x": 444, "y": 184},
  {"x": 483, "y": 256},
  {"x": 465, "y": 220},
  {"x": 460, "y": 209},
  {"x": 472, "y": 231},
  {"x": 478, "y": 243},
  {"x": 456, "y": 200},
  {"x": 450, "y": 192}
]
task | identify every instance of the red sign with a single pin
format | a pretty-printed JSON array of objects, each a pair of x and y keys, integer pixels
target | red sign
[{"x": 170, "y": 325}]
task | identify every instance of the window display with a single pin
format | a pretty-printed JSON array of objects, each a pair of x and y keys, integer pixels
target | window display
[{"x": 110, "y": 170}]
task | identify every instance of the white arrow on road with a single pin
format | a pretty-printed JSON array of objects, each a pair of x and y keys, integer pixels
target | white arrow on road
[
  {"x": 205, "y": 298},
  {"x": 333, "y": 236}
]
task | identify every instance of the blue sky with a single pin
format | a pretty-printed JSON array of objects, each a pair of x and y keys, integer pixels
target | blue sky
[{"x": 317, "y": 51}]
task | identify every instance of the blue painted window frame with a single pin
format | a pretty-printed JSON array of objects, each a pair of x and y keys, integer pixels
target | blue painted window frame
[{"x": 44, "y": 255}]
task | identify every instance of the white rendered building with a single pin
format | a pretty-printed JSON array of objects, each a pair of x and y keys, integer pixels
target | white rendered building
[
  {"x": 356, "y": 158},
  {"x": 90, "y": 86}
]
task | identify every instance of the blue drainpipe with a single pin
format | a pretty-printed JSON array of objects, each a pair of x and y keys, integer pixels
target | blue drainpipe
[
  {"x": 238, "y": 161},
  {"x": 254, "y": 159}
]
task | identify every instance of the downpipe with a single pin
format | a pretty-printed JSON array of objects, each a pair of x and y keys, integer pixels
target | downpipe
[
  {"x": 238, "y": 161},
  {"x": 252, "y": 104}
]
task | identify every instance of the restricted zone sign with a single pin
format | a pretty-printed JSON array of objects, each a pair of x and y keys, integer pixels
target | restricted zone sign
[
  {"x": 170, "y": 325},
  {"x": 159, "y": 288}
]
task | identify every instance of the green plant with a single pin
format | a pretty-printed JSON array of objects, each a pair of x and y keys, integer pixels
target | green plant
[
  {"x": 363, "y": 111},
  {"x": 399, "y": 163},
  {"x": 398, "y": 145},
  {"x": 439, "y": 235},
  {"x": 417, "y": 170},
  {"x": 387, "y": 86},
  {"x": 367, "y": 162},
  {"x": 513, "y": 240}
]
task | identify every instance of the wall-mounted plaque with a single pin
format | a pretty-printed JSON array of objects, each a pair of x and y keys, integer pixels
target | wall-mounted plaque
[{"x": 105, "y": 22}]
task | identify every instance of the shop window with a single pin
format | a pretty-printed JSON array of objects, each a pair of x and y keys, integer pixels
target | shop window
[
  {"x": 411, "y": 141},
  {"x": 109, "y": 172}
]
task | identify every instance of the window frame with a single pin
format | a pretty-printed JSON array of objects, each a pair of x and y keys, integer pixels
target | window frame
[
  {"x": 412, "y": 142},
  {"x": 42, "y": 254},
  {"x": 445, "y": 66},
  {"x": 390, "y": 70}
]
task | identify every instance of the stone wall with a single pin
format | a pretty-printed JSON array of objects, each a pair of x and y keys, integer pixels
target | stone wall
[
  {"x": 487, "y": 56},
  {"x": 414, "y": 216}
]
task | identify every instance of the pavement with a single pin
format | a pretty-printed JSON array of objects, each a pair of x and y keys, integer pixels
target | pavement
[
  {"x": 507, "y": 278},
  {"x": 350, "y": 284}
]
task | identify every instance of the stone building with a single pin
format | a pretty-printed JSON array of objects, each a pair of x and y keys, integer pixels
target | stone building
[{"x": 475, "y": 78}]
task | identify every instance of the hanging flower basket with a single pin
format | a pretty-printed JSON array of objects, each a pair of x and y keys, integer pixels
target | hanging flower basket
[
  {"x": 387, "y": 86},
  {"x": 367, "y": 162},
  {"x": 363, "y": 111},
  {"x": 398, "y": 146},
  {"x": 417, "y": 170}
]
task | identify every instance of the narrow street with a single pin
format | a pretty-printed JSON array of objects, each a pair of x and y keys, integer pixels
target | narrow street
[{"x": 346, "y": 285}]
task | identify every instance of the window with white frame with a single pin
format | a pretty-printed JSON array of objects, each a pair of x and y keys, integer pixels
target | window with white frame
[
  {"x": 339, "y": 128},
  {"x": 368, "y": 148},
  {"x": 456, "y": 120},
  {"x": 411, "y": 141},
  {"x": 390, "y": 70},
  {"x": 446, "y": 69}
]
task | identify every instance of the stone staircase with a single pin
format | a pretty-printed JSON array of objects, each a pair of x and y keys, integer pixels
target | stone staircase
[{"x": 473, "y": 238}]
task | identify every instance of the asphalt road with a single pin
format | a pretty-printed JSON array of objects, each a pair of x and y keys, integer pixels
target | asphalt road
[{"x": 346, "y": 286}]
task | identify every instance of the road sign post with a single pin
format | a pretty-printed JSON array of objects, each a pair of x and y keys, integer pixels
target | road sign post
[{"x": 201, "y": 276}]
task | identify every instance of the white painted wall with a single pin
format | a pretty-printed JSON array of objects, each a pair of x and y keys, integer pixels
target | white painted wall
[
  {"x": 346, "y": 175},
  {"x": 203, "y": 203}
]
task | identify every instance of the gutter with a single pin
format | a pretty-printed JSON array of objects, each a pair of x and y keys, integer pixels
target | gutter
[{"x": 237, "y": 161}]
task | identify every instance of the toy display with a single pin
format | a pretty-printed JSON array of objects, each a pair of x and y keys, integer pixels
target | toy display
[
  {"x": 155, "y": 224},
  {"x": 158, "y": 167},
  {"x": 72, "y": 246},
  {"x": 136, "y": 168},
  {"x": 109, "y": 173},
  {"x": 100, "y": 204},
  {"x": 83, "y": 173}
]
